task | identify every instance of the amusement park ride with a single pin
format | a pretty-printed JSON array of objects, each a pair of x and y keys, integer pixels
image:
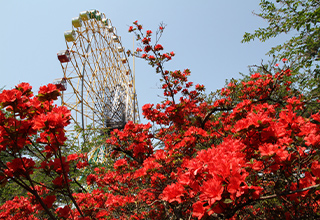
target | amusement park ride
[{"x": 97, "y": 83}]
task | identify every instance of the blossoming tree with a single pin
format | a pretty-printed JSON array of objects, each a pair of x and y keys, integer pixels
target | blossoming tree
[{"x": 248, "y": 152}]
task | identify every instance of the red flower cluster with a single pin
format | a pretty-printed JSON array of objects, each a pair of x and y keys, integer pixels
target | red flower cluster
[
  {"x": 155, "y": 58},
  {"x": 18, "y": 208},
  {"x": 158, "y": 47},
  {"x": 148, "y": 33},
  {"x": 146, "y": 40},
  {"x": 215, "y": 158},
  {"x": 31, "y": 124},
  {"x": 252, "y": 149}
]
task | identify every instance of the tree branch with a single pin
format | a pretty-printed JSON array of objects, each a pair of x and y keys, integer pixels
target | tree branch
[{"x": 232, "y": 212}]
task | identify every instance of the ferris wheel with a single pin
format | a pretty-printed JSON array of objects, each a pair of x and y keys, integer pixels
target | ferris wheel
[{"x": 97, "y": 83}]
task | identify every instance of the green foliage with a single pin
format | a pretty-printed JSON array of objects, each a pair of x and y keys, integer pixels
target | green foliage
[
  {"x": 79, "y": 141},
  {"x": 8, "y": 190},
  {"x": 93, "y": 143},
  {"x": 300, "y": 17}
]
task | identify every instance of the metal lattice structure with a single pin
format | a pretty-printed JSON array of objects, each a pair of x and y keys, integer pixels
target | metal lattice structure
[{"x": 97, "y": 80}]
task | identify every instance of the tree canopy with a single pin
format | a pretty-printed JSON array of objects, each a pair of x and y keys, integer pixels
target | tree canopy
[
  {"x": 301, "y": 18},
  {"x": 299, "y": 21}
]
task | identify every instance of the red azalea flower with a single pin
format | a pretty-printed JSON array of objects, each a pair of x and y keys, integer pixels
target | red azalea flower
[
  {"x": 24, "y": 87},
  {"x": 58, "y": 181},
  {"x": 173, "y": 192},
  {"x": 166, "y": 56},
  {"x": 9, "y": 96},
  {"x": 49, "y": 200},
  {"x": 72, "y": 157},
  {"x": 198, "y": 210},
  {"x": 120, "y": 163},
  {"x": 149, "y": 32},
  {"x": 81, "y": 165},
  {"x": 63, "y": 212},
  {"x": 47, "y": 88},
  {"x": 91, "y": 178},
  {"x": 147, "y": 48},
  {"x": 158, "y": 47},
  {"x": 146, "y": 40}
]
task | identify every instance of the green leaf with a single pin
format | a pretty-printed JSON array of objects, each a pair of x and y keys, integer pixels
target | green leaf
[{"x": 228, "y": 201}]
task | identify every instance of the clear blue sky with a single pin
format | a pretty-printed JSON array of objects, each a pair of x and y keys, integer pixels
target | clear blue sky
[{"x": 205, "y": 35}]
